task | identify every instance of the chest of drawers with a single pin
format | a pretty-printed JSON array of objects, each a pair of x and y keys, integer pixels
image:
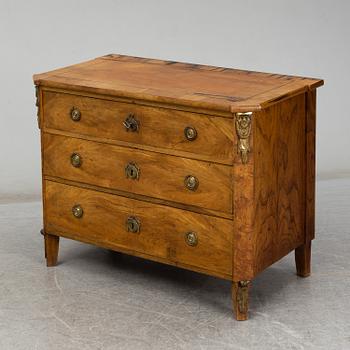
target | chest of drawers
[{"x": 206, "y": 168}]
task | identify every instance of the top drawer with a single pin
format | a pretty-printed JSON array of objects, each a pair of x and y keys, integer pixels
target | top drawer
[{"x": 208, "y": 137}]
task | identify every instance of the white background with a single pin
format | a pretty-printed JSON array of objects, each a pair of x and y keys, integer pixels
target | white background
[{"x": 308, "y": 38}]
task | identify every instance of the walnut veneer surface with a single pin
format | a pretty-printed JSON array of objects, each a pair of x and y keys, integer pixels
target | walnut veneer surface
[{"x": 206, "y": 168}]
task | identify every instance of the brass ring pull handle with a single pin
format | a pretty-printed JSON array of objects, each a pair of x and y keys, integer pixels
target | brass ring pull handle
[
  {"x": 75, "y": 114},
  {"x": 191, "y": 238},
  {"x": 133, "y": 224},
  {"x": 132, "y": 171},
  {"x": 191, "y": 182},
  {"x": 76, "y": 160},
  {"x": 77, "y": 211},
  {"x": 190, "y": 133},
  {"x": 131, "y": 124}
]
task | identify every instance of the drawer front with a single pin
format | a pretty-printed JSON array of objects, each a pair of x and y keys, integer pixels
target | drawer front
[
  {"x": 157, "y": 127},
  {"x": 156, "y": 175},
  {"x": 173, "y": 234}
]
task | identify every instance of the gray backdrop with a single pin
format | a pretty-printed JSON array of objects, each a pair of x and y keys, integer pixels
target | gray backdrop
[{"x": 309, "y": 38}]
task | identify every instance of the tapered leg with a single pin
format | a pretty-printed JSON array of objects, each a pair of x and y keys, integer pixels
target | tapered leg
[
  {"x": 51, "y": 249},
  {"x": 240, "y": 296},
  {"x": 303, "y": 259}
]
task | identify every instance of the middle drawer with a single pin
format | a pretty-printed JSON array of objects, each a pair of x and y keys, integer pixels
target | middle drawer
[{"x": 182, "y": 180}]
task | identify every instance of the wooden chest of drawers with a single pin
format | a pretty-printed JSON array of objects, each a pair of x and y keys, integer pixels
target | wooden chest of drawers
[{"x": 206, "y": 168}]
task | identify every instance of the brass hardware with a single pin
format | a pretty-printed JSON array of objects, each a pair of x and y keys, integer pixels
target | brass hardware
[
  {"x": 132, "y": 171},
  {"x": 75, "y": 114},
  {"x": 77, "y": 211},
  {"x": 191, "y": 182},
  {"x": 131, "y": 124},
  {"x": 242, "y": 296},
  {"x": 76, "y": 160},
  {"x": 191, "y": 238},
  {"x": 243, "y": 129},
  {"x": 37, "y": 104},
  {"x": 133, "y": 224},
  {"x": 190, "y": 133}
]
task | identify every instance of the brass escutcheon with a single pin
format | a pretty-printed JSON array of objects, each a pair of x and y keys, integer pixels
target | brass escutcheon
[
  {"x": 191, "y": 238},
  {"x": 132, "y": 171},
  {"x": 76, "y": 160},
  {"x": 133, "y": 224},
  {"x": 190, "y": 133},
  {"x": 75, "y": 114},
  {"x": 191, "y": 182},
  {"x": 77, "y": 211},
  {"x": 131, "y": 124}
]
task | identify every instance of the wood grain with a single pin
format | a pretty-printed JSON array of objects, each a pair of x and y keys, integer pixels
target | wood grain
[
  {"x": 161, "y": 176},
  {"x": 159, "y": 81},
  {"x": 280, "y": 181},
  {"x": 162, "y": 228},
  {"x": 243, "y": 214},
  {"x": 269, "y": 192},
  {"x": 158, "y": 127},
  {"x": 144, "y": 198}
]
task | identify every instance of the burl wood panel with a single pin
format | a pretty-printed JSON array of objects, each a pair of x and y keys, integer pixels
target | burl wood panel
[
  {"x": 161, "y": 176},
  {"x": 194, "y": 85},
  {"x": 162, "y": 231},
  {"x": 274, "y": 202},
  {"x": 158, "y": 127}
]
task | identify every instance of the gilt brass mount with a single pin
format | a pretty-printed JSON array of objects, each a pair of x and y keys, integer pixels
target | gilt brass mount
[
  {"x": 191, "y": 182},
  {"x": 132, "y": 171},
  {"x": 77, "y": 211},
  {"x": 131, "y": 124},
  {"x": 75, "y": 114},
  {"x": 191, "y": 238},
  {"x": 242, "y": 296},
  {"x": 243, "y": 129},
  {"x": 190, "y": 133},
  {"x": 133, "y": 224}
]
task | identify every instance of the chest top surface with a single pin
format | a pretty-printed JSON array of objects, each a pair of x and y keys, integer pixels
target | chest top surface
[{"x": 170, "y": 82}]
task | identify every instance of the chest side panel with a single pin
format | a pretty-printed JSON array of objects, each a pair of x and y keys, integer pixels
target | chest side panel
[
  {"x": 269, "y": 190},
  {"x": 280, "y": 168}
]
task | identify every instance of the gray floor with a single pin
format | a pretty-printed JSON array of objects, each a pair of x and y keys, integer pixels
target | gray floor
[{"x": 96, "y": 299}]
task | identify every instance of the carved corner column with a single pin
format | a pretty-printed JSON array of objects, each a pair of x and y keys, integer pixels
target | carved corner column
[{"x": 243, "y": 209}]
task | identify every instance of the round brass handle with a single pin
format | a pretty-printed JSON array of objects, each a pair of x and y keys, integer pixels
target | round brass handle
[
  {"x": 191, "y": 238},
  {"x": 75, "y": 114},
  {"x": 191, "y": 182},
  {"x": 131, "y": 124},
  {"x": 77, "y": 211},
  {"x": 133, "y": 224},
  {"x": 132, "y": 171},
  {"x": 190, "y": 133},
  {"x": 76, "y": 160}
]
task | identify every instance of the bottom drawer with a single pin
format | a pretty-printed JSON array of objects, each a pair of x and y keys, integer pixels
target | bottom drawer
[{"x": 172, "y": 235}]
